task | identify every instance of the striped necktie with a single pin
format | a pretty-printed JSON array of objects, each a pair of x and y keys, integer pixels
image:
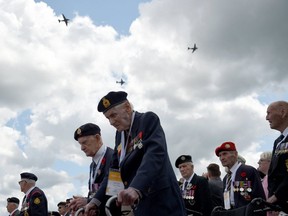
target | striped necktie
[{"x": 228, "y": 180}]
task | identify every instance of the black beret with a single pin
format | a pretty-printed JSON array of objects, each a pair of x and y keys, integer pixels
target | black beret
[
  {"x": 110, "y": 100},
  {"x": 13, "y": 200},
  {"x": 183, "y": 159},
  {"x": 26, "y": 175},
  {"x": 86, "y": 130},
  {"x": 63, "y": 203}
]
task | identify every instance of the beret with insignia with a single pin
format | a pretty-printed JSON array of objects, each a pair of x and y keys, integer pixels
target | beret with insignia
[
  {"x": 226, "y": 146},
  {"x": 27, "y": 175},
  {"x": 110, "y": 100},
  {"x": 13, "y": 200},
  {"x": 86, "y": 130},
  {"x": 183, "y": 159}
]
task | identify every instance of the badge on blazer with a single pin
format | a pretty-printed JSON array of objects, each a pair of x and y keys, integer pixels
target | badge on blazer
[{"x": 37, "y": 201}]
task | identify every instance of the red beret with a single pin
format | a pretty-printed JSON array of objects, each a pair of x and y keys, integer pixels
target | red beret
[{"x": 226, "y": 146}]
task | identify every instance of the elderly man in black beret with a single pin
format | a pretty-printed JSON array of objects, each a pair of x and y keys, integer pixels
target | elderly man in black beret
[
  {"x": 141, "y": 156},
  {"x": 90, "y": 141},
  {"x": 195, "y": 189},
  {"x": 12, "y": 206},
  {"x": 34, "y": 202}
]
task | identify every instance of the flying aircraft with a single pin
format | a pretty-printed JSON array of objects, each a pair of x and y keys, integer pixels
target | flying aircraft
[
  {"x": 193, "y": 48},
  {"x": 64, "y": 20},
  {"x": 121, "y": 82}
]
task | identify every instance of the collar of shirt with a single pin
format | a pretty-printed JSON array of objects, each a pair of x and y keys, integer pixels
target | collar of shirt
[
  {"x": 99, "y": 154},
  {"x": 187, "y": 180},
  {"x": 27, "y": 193}
]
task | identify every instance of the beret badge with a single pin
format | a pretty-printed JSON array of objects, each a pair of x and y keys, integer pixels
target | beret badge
[
  {"x": 106, "y": 102},
  {"x": 79, "y": 131},
  {"x": 227, "y": 146},
  {"x": 183, "y": 158}
]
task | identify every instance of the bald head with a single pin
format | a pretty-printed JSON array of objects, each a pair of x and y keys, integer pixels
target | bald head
[{"x": 277, "y": 115}]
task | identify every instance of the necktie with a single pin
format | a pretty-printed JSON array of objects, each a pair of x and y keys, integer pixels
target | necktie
[
  {"x": 277, "y": 141},
  {"x": 23, "y": 202},
  {"x": 129, "y": 145},
  {"x": 93, "y": 168},
  {"x": 185, "y": 185},
  {"x": 228, "y": 180},
  {"x": 92, "y": 174}
]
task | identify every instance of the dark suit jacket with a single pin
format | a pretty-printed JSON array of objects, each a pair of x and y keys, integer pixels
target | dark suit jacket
[
  {"x": 278, "y": 174},
  {"x": 147, "y": 168},
  {"x": 103, "y": 171},
  {"x": 197, "y": 188},
  {"x": 216, "y": 190},
  {"x": 16, "y": 213},
  {"x": 246, "y": 178},
  {"x": 36, "y": 203}
]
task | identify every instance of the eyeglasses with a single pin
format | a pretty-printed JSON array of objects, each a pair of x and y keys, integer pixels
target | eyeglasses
[
  {"x": 263, "y": 160},
  {"x": 21, "y": 181}
]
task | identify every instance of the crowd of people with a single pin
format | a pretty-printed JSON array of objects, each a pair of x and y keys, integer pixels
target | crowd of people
[{"x": 139, "y": 173}]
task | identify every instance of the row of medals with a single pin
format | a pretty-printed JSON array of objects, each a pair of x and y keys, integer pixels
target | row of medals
[{"x": 243, "y": 187}]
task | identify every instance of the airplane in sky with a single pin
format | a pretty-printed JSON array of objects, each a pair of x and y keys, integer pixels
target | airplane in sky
[
  {"x": 121, "y": 82},
  {"x": 64, "y": 20},
  {"x": 193, "y": 48}
]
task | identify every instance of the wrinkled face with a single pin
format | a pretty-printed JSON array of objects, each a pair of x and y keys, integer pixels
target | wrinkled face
[
  {"x": 10, "y": 206},
  {"x": 275, "y": 116},
  {"x": 228, "y": 158},
  {"x": 23, "y": 185},
  {"x": 186, "y": 169},
  {"x": 90, "y": 144},
  {"x": 264, "y": 165},
  {"x": 120, "y": 116}
]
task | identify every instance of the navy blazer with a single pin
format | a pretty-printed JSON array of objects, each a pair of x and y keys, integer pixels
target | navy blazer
[
  {"x": 147, "y": 168},
  {"x": 198, "y": 196},
  {"x": 103, "y": 171},
  {"x": 36, "y": 204},
  {"x": 247, "y": 185},
  {"x": 16, "y": 213},
  {"x": 278, "y": 174}
]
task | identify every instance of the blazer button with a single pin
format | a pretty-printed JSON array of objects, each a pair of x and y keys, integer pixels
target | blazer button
[{"x": 125, "y": 183}]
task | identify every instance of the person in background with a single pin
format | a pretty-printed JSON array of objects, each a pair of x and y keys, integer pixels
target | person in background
[
  {"x": 215, "y": 184},
  {"x": 142, "y": 160},
  {"x": 12, "y": 206},
  {"x": 90, "y": 141},
  {"x": 242, "y": 182},
  {"x": 35, "y": 201},
  {"x": 195, "y": 189},
  {"x": 277, "y": 116},
  {"x": 63, "y": 208},
  {"x": 264, "y": 163}
]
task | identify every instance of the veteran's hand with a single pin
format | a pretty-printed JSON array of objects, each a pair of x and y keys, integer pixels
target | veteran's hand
[
  {"x": 77, "y": 202},
  {"x": 272, "y": 199},
  {"x": 90, "y": 209},
  {"x": 128, "y": 196}
]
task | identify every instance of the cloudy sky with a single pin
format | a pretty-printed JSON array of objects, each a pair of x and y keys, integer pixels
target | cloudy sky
[{"x": 53, "y": 76}]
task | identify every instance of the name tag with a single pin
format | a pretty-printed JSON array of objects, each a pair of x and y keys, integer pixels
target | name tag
[
  {"x": 227, "y": 199},
  {"x": 115, "y": 184}
]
